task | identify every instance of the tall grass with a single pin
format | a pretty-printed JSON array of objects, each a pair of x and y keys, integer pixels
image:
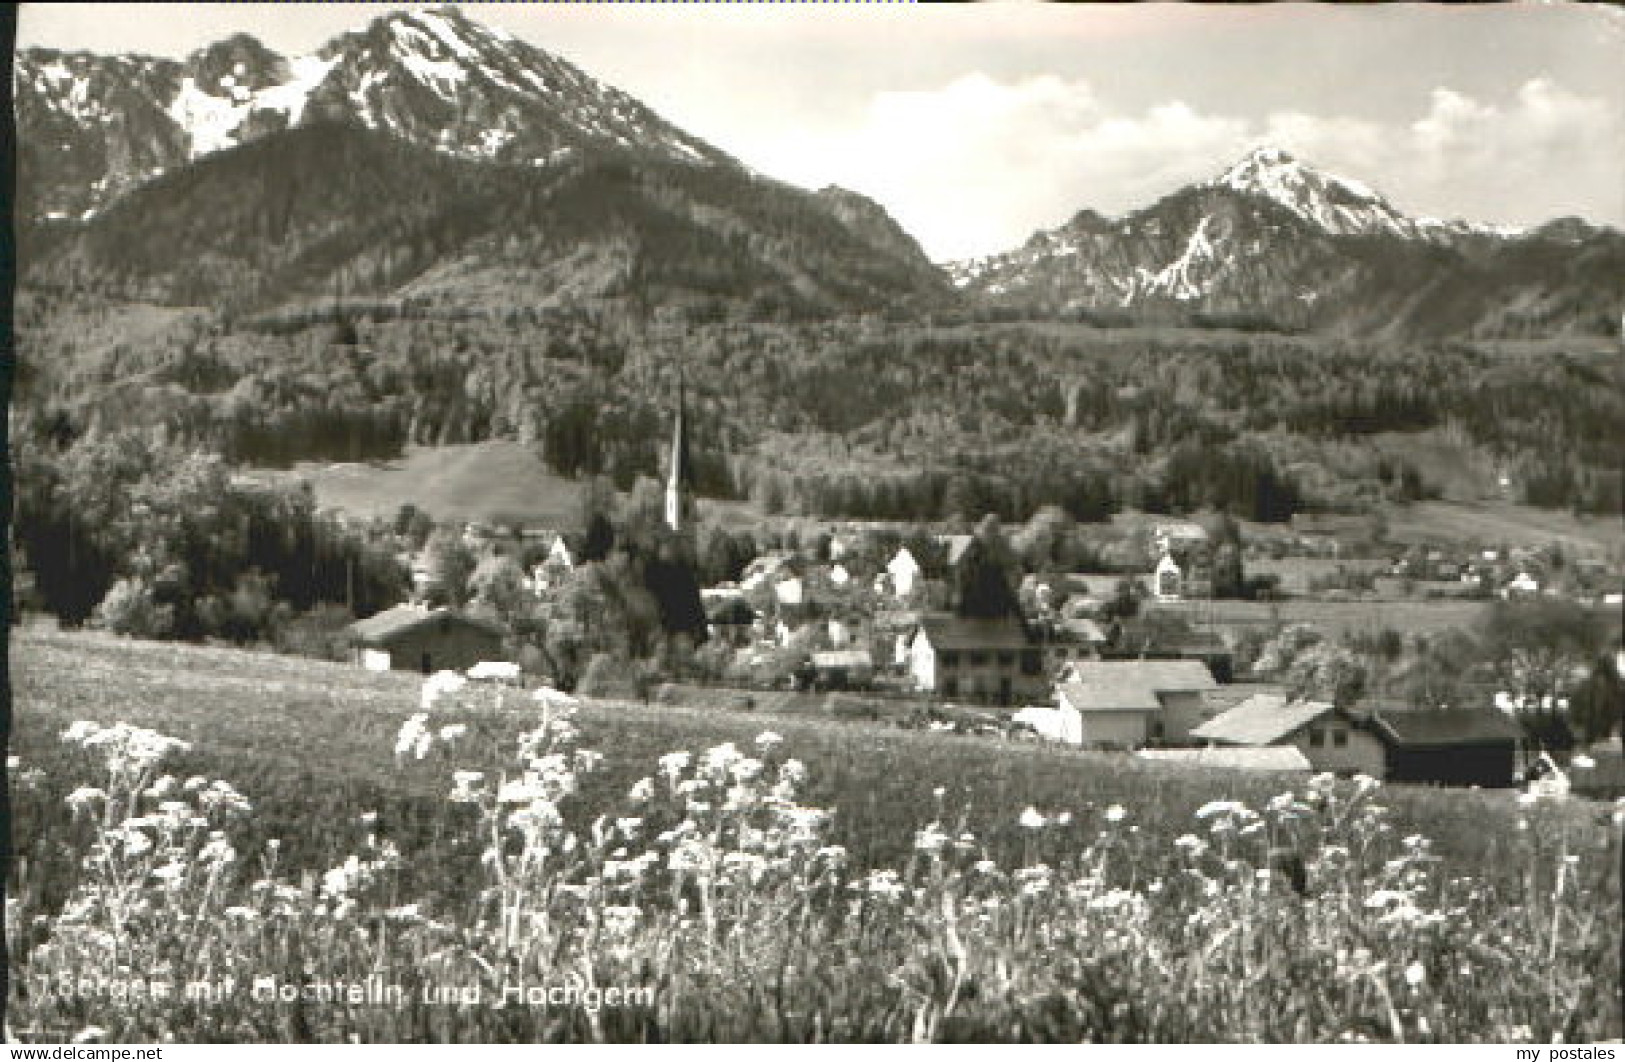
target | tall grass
[{"x": 713, "y": 885}]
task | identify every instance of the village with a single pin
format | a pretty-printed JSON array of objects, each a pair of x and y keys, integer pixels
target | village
[{"x": 859, "y": 622}]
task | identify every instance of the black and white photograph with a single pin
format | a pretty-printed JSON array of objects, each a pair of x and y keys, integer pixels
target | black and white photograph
[{"x": 738, "y": 523}]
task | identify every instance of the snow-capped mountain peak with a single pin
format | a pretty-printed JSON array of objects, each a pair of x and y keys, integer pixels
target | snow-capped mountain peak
[
  {"x": 1338, "y": 205},
  {"x": 94, "y": 126}
]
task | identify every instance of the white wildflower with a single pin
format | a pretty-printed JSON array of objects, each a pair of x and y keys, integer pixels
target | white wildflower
[
  {"x": 1221, "y": 807},
  {"x": 81, "y": 799},
  {"x": 440, "y": 685},
  {"x": 497, "y": 670},
  {"x": 931, "y": 839},
  {"x": 409, "y": 733}
]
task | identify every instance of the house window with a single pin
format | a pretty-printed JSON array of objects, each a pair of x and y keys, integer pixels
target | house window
[
  {"x": 950, "y": 688},
  {"x": 1007, "y": 659},
  {"x": 1340, "y": 738},
  {"x": 976, "y": 659},
  {"x": 1317, "y": 737},
  {"x": 950, "y": 659}
]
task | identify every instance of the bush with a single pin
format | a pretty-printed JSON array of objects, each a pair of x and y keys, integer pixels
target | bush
[
  {"x": 129, "y": 609},
  {"x": 323, "y": 633},
  {"x": 611, "y": 678}
]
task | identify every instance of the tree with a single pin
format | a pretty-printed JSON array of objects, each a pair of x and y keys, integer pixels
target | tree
[
  {"x": 669, "y": 578},
  {"x": 597, "y": 505},
  {"x": 413, "y": 524},
  {"x": 1328, "y": 672},
  {"x": 1044, "y": 543},
  {"x": 499, "y": 584},
  {"x": 1534, "y": 646},
  {"x": 1125, "y": 602},
  {"x": 1434, "y": 677},
  {"x": 607, "y": 676},
  {"x": 450, "y": 563},
  {"x": 982, "y": 583},
  {"x": 129, "y": 609}
]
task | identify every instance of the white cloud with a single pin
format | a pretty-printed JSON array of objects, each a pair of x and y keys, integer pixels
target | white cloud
[
  {"x": 1544, "y": 153},
  {"x": 979, "y": 164}
]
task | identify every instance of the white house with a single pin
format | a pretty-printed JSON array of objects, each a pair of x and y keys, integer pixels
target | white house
[
  {"x": 791, "y": 591},
  {"x": 1173, "y": 692},
  {"x": 1177, "y": 536},
  {"x": 987, "y": 660},
  {"x": 1110, "y": 716},
  {"x": 1167, "y": 581},
  {"x": 1522, "y": 586}
]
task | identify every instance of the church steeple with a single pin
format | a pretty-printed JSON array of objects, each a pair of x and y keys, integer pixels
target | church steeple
[{"x": 680, "y": 475}]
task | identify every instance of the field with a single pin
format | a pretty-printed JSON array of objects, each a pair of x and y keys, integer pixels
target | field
[
  {"x": 1334, "y": 618},
  {"x": 473, "y": 481},
  {"x": 1503, "y": 523},
  {"x": 961, "y": 888}
]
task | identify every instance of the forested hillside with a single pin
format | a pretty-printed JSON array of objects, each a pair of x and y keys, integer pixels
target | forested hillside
[{"x": 854, "y": 417}]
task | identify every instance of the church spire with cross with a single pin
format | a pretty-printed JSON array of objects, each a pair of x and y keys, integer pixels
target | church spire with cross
[{"x": 680, "y": 475}]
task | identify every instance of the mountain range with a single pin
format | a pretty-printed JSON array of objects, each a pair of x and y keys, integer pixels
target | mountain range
[
  {"x": 1276, "y": 243},
  {"x": 430, "y": 158}
]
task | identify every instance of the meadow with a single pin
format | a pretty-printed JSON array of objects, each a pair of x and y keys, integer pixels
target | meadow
[
  {"x": 1335, "y": 618},
  {"x": 487, "y": 481},
  {"x": 768, "y": 878}
]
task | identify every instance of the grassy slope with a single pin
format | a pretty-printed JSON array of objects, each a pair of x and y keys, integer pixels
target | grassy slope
[
  {"x": 479, "y": 481},
  {"x": 312, "y": 745},
  {"x": 1336, "y": 618},
  {"x": 1504, "y": 522}
]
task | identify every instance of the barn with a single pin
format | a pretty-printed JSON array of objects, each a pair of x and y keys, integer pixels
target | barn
[
  {"x": 411, "y": 638},
  {"x": 1462, "y": 747}
]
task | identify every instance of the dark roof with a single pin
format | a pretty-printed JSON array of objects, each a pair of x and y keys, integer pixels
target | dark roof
[
  {"x": 1462, "y": 727},
  {"x": 958, "y": 632},
  {"x": 393, "y": 622},
  {"x": 733, "y": 611}
]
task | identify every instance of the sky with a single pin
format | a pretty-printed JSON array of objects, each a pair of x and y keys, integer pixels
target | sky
[{"x": 977, "y": 124}]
